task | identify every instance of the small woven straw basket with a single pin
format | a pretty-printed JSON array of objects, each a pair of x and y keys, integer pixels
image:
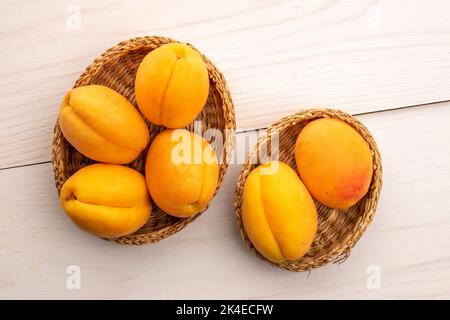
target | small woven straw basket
[
  {"x": 338, "y": 230},
  {"x": 116, "y": 69}
]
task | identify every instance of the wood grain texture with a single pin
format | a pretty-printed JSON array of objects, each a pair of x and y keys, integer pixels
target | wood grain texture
[
  {"x": 278, "y": 56},
  {"x": 408, "y": 239}
]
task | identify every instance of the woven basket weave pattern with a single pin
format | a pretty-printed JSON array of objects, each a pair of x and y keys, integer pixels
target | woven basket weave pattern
[
  {"x": 338, "y": 230},
  {"x": 116, "y": 68}
]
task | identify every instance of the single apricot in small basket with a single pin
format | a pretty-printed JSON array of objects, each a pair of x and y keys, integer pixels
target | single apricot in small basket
[
  {"x": 182, "y": 172},
  {"x": 278, "y": 214},
  {"x": 102, "y": 124},
  {"x": 334, "y": 162},
  {"x": 172, "y": 85},
  {"x": 107, "y": 200}
]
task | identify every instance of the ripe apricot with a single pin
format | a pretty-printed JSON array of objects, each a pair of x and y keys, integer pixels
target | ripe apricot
[
  {"x": 278, "y": 214},
  {"x": 102, "y": 124},
  {"x": 334, "y": 162},
  {"x": 107, "y": 200},
  {"x": 172, "y": 85},
  {"x": 181, "y": 172}
]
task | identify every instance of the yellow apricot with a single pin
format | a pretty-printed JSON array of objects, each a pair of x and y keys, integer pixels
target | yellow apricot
[
  {"x": 172, "y": 85},
  {"x": 278, "y": 214},
  {"x": 181, "y": 172},
  {"x": 102, "y": 124},
  {"x": 107, "y": 200},
  {"x": 334, "y": 162}
]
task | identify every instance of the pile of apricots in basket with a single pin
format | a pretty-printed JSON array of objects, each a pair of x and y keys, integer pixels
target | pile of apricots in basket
[
  {"x": 335, "y": 167},
  {"x": 110, "y": 199}
]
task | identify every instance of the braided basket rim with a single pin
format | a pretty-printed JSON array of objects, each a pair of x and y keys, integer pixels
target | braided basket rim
[
  {"x": 342, "y": 251},
  {"x": 227, "y": 112}
]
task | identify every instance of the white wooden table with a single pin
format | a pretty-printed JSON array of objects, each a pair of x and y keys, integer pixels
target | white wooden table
[{"x": 387, "y": 61}]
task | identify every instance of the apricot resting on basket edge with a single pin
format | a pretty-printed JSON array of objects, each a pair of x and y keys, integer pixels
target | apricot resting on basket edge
[
  {"x": 102, "y": 124},
  {"x": 172, "y": 85},
  {"x": 107, "y": 200}
]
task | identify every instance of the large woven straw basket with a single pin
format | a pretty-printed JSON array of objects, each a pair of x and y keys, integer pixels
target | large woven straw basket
[
  {"x": 338, "y": 230},
  {"x": 116, "y": 68}
]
